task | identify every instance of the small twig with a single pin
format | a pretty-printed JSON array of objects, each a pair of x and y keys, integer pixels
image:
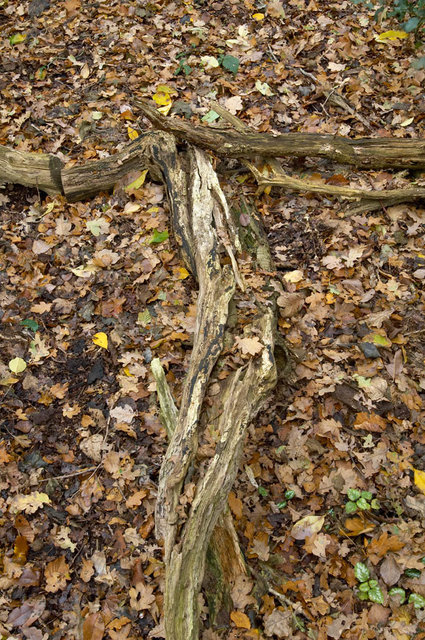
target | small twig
[{"x": 70, "y": 475}]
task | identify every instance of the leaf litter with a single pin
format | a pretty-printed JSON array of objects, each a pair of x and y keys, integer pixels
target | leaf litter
[{"x": 92, "y": 291}]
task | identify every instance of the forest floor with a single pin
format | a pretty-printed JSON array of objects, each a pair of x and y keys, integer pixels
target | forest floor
[{"x": 91, "y": 292}]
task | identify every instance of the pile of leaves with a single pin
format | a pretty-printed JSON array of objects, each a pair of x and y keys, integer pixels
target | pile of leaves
[{"x": 329, "y": 505}]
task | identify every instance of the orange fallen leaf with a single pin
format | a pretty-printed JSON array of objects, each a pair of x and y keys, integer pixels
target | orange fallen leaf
[{"x": 240, "y": 619}]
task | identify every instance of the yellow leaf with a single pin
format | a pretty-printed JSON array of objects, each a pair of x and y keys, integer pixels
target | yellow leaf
[
  {"x": 419, "y": 478},
  {"x": 161, "y": 99},
  {"x": 258, "y": 16},
  {"x": 137, "y": 183},
  {"x": 5, "y": 382},
  {"x": 101, "y": 339},
  {"x": 132, "y": 133},
  {"x": 391, "y": 35},
  {"x": 165, "y": 109},
  {"x": 240, "y": 619},
  {"x": 17, "y": 365},
  {"x": 181, "y": 273},
  {"x": 308, "y": 525},
  {"x": 163, "y": 88},
  {"x": 29, "y": 503},
  {"x": 406, "y": 123}
]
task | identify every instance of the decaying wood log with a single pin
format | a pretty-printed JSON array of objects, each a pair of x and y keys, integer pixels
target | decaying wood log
[
  {"x": 224, "y": 559},
  {"x": 47, "y": 173},
  {"x": 207, "y": 226},
  {"x": 39, "y": 170},
  {"x": 364, "y": 153}
]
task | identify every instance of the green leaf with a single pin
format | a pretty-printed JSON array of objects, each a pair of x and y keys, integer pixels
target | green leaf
[
  {"x": 144, "y": 318},
  {"x": 17, "y": 38},
  {"x": 375, "y": 595},
  {"x": 158, "y": 236},
  {"x": 353, "y": 494},
  {"x": 30, "y": 323},
  {"x": 375, "y": 504},
  {"x": 411, "y": 25},
  {"x": 362, "y": 504},
  {"x": 364, "y": 587},
  {"x": 289, "y": 494},
  {"x": 419, "y": 63},
  {"x": 361, "y": 572},
  {"x": 210, "y": 116},
  {"x": 366, "y": 495},
  {"x": 398, "y": 591},
  {"x": 363, "y": 595},
  {"x": 350, "y": 507},
  {"x": 372, "y": 583},
  {"x": 262, "y": 491},
  {"x": 417, "y": 600},
  {"x": 281, "y": 505},
  {"x": 412, "y": 573},
  {"x": 230, "y": 63}
]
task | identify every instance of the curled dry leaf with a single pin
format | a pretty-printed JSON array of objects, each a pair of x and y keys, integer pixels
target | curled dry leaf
[{"x": 307, "y": 526}]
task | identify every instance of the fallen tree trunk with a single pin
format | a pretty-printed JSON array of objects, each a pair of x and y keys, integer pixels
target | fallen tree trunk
[
  {"x": 47, "y": 173},
  {"x": 188, "y": 511}
]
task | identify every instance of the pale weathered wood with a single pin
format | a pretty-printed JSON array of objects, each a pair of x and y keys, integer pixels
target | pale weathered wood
[{"x": 38, "y": 170}]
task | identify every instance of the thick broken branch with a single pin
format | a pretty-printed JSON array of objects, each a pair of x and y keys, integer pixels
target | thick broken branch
[{"x": 366, "y": 153}]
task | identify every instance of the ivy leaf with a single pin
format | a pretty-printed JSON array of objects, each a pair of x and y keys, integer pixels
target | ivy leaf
[
  {"x": 30, "y": 323},
  {"x": 375, "y": 595},
  {"x": 417, "y": 600},
  {"x": 350, "y": 507},
  {"x": 411, "y": 25},
  {"x": 362, "y": 504},
  {"x": 361, "y": 572},
  {"x": 353, "y": 494},
  {"x": 230, "y": 63},
  {"x": 398, "y": 591}
]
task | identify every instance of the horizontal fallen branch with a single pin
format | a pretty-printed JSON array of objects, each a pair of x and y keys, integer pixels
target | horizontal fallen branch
[
  {"x": 366, "y": 153},
  {"x": 280, "y": 179},
  {"x": 393, "y": 196}
]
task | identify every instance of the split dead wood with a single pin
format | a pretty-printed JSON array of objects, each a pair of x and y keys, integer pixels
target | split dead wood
[
  {"x": 205, "y": 225},
  {"x": 224, "y": 559}
]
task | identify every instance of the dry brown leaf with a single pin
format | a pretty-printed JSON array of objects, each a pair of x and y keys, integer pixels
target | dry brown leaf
[
  {"x": 279, "y": 624},
  {"x": 93, "y": 627},
  {"x": 56, "y": 575},
  {"x": 249, "y": 345},
  {"x": 141, "y": 596}
]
